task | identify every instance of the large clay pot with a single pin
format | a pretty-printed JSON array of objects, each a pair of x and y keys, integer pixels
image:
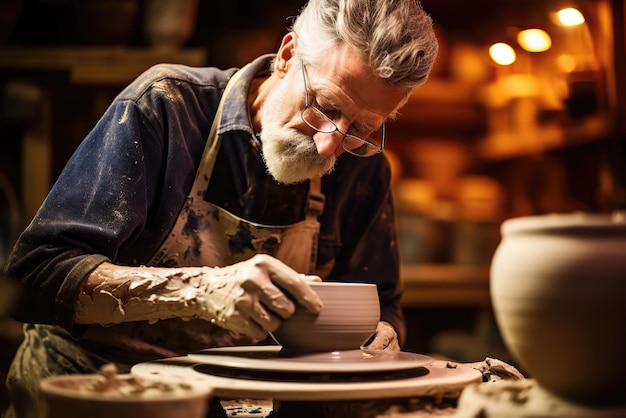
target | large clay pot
[{"x": 558, "y": 288}]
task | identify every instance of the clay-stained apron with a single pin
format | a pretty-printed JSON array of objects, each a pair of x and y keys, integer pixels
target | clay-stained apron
[{"x": 206, "y": 235}]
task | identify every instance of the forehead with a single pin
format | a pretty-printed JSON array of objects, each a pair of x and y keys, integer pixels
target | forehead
[{"x": 345, "y": 78}]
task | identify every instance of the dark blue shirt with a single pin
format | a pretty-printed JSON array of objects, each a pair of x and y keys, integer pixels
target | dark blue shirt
[{"x": 121, "y": 191}]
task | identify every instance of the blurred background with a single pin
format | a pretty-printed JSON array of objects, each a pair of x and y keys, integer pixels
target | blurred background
[{"x": 524, "y": 114}]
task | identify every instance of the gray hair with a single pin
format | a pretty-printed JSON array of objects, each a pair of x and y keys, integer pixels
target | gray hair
[{"x": 395, "y": 37}]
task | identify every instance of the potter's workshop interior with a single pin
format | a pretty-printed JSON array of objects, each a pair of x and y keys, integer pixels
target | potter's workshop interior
[{"x": 508, "y": 175}]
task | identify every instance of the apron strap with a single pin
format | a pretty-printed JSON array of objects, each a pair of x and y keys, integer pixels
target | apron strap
[
  {"x": 203, "y": 174},
  {"x": 316, "y": 200}
]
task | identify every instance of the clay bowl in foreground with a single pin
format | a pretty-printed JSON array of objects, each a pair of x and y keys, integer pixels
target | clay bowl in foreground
[{"x": 88, "y": 395}]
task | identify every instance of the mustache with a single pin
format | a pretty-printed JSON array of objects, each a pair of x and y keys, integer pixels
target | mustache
[
  {"x": 297, "y": 144},
  {"x": 304, "y": 146},
  {"x": 291, "y": 156}
]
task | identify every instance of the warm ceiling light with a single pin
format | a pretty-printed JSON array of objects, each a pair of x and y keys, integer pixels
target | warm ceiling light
[
  {"x": 566, "y": 63},
  {"x": 534, "y": 40},
  {"x": 502, "y": 53},
  {"x": 570, "y": 17}
]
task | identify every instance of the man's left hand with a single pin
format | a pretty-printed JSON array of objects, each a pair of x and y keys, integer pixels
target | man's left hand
[{"x": 385, "y": 338}]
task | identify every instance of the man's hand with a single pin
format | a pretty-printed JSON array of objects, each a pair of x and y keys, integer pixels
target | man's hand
[
  {"x": 385, "y": 338},
  {"x": 248, "y": 298},
  {"x": 251, "y": 297}
]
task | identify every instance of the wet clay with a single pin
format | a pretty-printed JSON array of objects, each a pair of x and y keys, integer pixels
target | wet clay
[
  {"x": 110, "y": 383},
  {"x": 149, "y": 293},
  {"x": 245, "y": 298}
]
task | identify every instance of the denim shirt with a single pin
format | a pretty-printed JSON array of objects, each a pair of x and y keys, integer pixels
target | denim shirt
[{"x": 121, "y": 191}]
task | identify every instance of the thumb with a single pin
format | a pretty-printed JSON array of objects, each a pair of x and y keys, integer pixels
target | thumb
[{"x": 311, "y": 278}]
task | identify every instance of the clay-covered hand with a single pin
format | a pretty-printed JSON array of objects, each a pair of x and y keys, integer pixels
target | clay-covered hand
[
  {"x": 385, "y": 338},
  {"x": 251, "y": 297},
  {"x": 248, "y": 298}
]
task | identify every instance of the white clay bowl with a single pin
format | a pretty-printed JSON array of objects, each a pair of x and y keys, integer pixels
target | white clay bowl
[
  {"x": 74, "y": 396},
  {"x": 350, "y": 315}
]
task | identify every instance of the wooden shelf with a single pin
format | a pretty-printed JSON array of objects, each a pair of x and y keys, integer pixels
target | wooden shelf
[
  {"x": 441, "y": 108},
  {"x": 443, "y": 285},
  {"x": 515, "y": 144},
  {"x": 102, "y": 68},
  {"x": 97, "y": 65}
]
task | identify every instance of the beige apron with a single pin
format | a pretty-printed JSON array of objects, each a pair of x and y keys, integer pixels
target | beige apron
[{"x": 207, "y": 235}]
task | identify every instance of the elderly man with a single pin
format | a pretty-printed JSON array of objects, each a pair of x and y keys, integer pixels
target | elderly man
[{"x": 200, "y": 205}]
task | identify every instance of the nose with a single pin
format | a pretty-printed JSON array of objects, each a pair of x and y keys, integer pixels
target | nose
[{"x": 328, "y": 144}]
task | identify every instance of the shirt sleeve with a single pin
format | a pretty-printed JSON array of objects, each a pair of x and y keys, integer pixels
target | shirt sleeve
[{"x": 107, "y": 202}]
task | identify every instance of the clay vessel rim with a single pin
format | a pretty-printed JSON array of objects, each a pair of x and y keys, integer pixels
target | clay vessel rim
[
  {"x": 49, "y": 386},
  {"x": 565, "y": 221}
]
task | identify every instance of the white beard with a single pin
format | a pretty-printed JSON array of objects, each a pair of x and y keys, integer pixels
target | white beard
[{"x": 290, "y": 156}]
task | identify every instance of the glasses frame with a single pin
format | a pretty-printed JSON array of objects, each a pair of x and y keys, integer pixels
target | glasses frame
[{"x": 375, "y": 149}]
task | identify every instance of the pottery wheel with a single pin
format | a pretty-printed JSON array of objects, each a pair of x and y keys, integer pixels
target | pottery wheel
[
  {"x": 275, "y": 359},
  {"x": 231, "y": 378}
]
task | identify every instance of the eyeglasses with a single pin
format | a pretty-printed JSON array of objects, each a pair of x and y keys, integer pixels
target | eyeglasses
[{"x": 318, "y": 120}]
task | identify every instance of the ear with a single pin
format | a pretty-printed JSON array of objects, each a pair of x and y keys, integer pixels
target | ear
[{"x": 284, "y": 55}]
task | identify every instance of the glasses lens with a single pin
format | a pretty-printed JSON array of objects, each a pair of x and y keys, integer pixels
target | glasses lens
[
  {"x": 358, "y": 146},
  {"x": 353, "y": 144},
  {"x": 317, "y": 120}
]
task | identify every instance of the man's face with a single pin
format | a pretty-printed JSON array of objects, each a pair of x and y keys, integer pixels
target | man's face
[
  {"x": 345, "y": 89},
  {"x": 288, "y": 148}
]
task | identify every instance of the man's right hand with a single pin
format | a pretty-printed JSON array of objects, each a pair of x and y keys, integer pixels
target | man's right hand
[
  {"x": 248, "y": 298},
  {"x": 251, "y": 297}
]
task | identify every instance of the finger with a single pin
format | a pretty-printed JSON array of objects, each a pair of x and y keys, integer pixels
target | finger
[
  {"x": 394, "y": 345},
  {"x": 276, "y": 300},
  {"x": 260, "y": 287},
  {"x": 381, "y": 342},
  {"x": 300, "y": 290},
  {"x": 264, "y": 318},
  {"x": 368, "y": 342},
  {"x": 375, "y": 342},
  {"x": 290, "y": 281},
  {"x": 385, "y": 338},
  {"x": 311, "y": 278},
  {"x": 239, "y": 324}
]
